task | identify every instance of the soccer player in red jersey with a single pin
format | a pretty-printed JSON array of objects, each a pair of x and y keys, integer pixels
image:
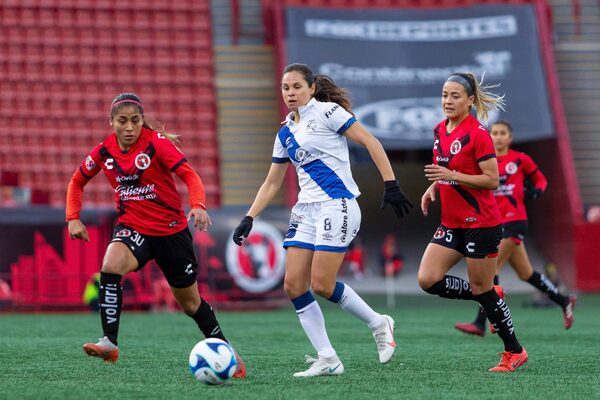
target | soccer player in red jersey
[
  {"x": 465, "y": 172},
  {"x": 515, "y": 168},
  {"x": 139, "y": 160}
]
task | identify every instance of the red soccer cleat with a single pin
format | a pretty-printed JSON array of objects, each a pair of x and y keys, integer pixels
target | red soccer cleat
[
  {"x": 104, "y": 349},
  {"x": 501, "y": 293},
  {"x": 511, "y": 361},
  {"x": 568, "y": 312},
  {"x": 470, "y": 328},
  {"x": 240, "y": 371}
]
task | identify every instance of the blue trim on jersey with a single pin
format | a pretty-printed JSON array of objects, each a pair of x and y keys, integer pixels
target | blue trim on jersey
[
  {"x": 336, "y": 296},
  {"x": 334, "y": 249},
  {"x": 327, "y": 180},
  {"x": 303, "y": 300},
  {"x": 347, "y": 125},
  {"x": 302, "y": 245},
  {"x": 278, "y": 160}
]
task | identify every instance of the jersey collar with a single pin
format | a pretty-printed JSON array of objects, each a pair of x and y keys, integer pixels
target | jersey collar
[{"x": 301, "y": 110}]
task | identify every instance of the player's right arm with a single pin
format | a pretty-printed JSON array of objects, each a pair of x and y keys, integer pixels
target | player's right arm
[
  {"x": 428, "y": 198},
  {"x": 268, "y": 189},
  {"x": 86, "y": 171}
]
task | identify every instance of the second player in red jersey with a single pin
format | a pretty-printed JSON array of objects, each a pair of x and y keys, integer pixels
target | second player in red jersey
[
  {"x": 515, "y": 168},
  {"x": 465, "y": 172}
]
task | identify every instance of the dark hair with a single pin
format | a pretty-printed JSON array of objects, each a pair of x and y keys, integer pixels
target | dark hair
[
  {"x": 505, "y": 123},
  {"x": 133, "y": 100},
  {"x": 326, "y": 90}
]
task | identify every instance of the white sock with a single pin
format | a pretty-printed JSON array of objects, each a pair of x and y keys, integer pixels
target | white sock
[
  {"x": 313, "y": 322},
  {"x": 355, "y": 305}
]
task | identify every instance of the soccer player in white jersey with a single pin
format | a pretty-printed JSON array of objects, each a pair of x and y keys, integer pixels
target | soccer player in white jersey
[{"x": 326, "y": 217}]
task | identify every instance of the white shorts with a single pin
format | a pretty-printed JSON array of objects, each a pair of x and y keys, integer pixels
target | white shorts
[{"x": 324, "y": 226}]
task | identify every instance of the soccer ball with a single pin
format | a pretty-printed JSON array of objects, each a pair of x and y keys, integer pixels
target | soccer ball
[{"x": 212, "y": 361}]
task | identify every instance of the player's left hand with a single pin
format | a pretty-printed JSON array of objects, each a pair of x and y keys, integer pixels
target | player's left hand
[
  {"x": 201, "y": 218},
  {"x": 393, "y": 196},
  {"x": 437, "y": 172},
  {"x": 533, "y": 194}
]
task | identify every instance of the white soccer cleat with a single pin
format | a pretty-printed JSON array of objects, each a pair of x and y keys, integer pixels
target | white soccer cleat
[
  {"x": 384, "y": 338},
  {"x": 104, "y": 349},
  {"x": 322, "y": 367}
]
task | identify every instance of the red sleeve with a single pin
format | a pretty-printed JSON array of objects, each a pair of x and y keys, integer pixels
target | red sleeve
[
  {"x": 74, "y": 195},
  {"x": 194, "y": 185},
  {"x": 532, "y": 172},
  {"x": 87, "y": 170},
  {"x": 167, "y": 152},
  {"x": 483, "y": 145}
]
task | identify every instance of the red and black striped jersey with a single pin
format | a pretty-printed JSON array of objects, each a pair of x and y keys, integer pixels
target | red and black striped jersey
[
  {"x": 514, "y": 168},
  {"x": 462, "y": 150},
  {"x": 142, "y": 179}
]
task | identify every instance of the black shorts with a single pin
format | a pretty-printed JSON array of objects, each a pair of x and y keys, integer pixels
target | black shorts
[
  {"x": 515, "y": 230},
  {"x": 470, "y": 242},
  {"x": 174, "y": 254}
]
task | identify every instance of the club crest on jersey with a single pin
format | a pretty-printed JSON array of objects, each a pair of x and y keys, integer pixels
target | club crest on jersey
[
  {"x": 142, "y": 161},
  {"x": 123, "y": 233},
  {"x": 311, "y": 127},
  {"x": 89, "y": 163},
  {"x": 511, "y": 168},
  {"x": 455, "y": 146},
  {"x": 439, "y": 233}
]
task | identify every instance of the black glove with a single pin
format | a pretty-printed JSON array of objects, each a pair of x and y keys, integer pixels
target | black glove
[
  {"x": 533, "y": 193},
  {"x": 393, "y": 196},
  {"x": 242, "y": 230}
]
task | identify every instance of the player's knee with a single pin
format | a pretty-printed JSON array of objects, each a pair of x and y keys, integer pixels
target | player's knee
[
  {"x": 427, "y": 280},
  {"x": 293, "y": 289},
  {"x": 112, "y": 267},
  {"x": 323, "y": 289}
]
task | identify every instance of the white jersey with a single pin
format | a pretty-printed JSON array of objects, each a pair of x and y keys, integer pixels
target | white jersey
[{"x": 319, "y": 152}]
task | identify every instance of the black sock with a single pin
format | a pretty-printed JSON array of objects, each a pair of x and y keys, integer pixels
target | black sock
[
  {"x": 499, "y": 315},
  {"x": 481, "y": 314},
  {"x": 451, "y": 287},
  {"x": 545, "y": 285},
  {"x": 111, "y": 303},
  {"x": 480, "y": 318},
  {"x": 207, "y": 321}
]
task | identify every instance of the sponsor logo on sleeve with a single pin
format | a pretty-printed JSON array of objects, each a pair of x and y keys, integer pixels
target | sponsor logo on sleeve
[{"x": 89, "y": 163}]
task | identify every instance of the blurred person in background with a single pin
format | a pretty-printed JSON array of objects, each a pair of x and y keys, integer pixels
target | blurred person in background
[
  {"x": 465, "y": 172},
  {"x": 139, "y": 159},
  {"x": 392, "y": 260},
  {"x": 514, "y": 169},
  {"x": 91, "y": 292},
  {"x": 326, "y": 217},
  {"x": 354, "y": 259}
]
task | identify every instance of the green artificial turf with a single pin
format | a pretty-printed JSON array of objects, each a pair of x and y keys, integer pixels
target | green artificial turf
[{"x": 41, "y": 356}]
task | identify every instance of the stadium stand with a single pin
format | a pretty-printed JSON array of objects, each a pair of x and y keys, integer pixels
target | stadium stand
[
  {"x": 69, "y": 59},
  {"x": 577, "y": 53}
]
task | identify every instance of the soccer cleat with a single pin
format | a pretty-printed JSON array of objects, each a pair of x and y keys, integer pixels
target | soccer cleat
[
  {"x": 322, "y": 367},
  {"x": 240, "y": 370},
  {"x": 501, "y": 293},
  {"x": 510, "y": 361},
  {"x": 470, "y": 328},
  {"x": 104, "y": 349},
  {"x": 568, "y": 312},
  {"x": 384, "y": 338}
]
